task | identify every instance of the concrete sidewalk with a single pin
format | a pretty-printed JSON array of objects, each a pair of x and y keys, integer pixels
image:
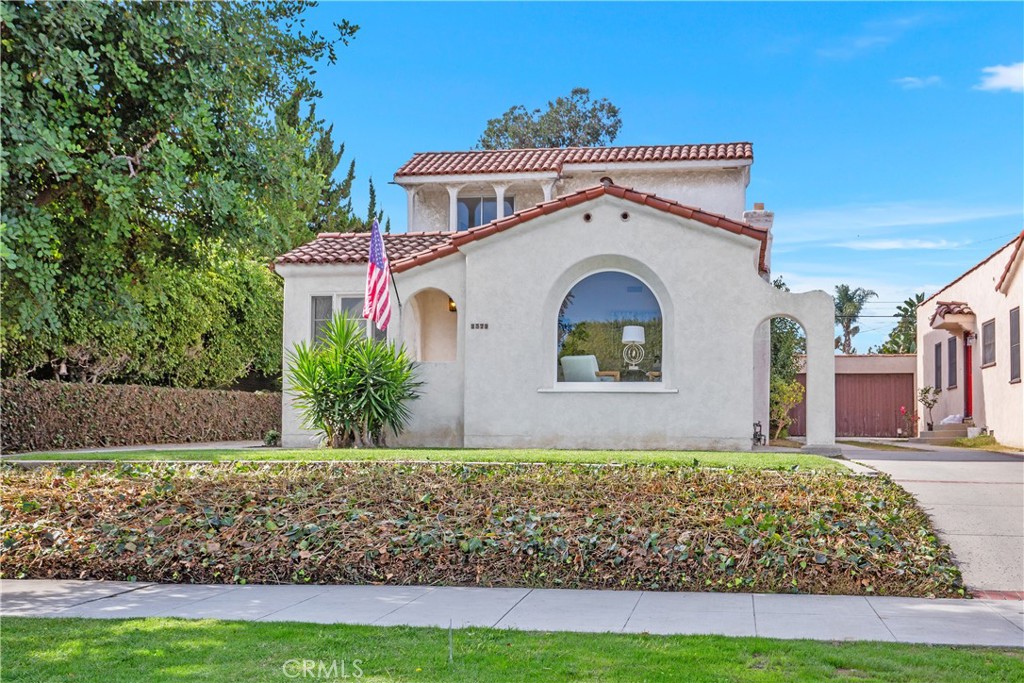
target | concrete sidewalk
[{"x": 817, "y": 617}]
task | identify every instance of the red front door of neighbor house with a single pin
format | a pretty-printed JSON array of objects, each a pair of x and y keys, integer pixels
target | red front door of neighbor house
[{"x": 968, "y": 377}]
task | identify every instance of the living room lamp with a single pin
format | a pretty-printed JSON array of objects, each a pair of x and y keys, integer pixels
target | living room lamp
[{"x": 633, "y": 338}]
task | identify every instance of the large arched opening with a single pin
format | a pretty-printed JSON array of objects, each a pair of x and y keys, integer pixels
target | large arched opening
[{"x": 609, "y": 329}]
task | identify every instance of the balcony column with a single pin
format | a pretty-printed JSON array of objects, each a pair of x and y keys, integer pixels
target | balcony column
[
  {"x": 453, "y": 207},
  {"x": 548, "y": 186},
  {"x": 499, "y": 196},
  {"x": 410, "y": 203}
]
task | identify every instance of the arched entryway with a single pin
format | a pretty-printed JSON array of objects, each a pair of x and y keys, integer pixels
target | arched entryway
[{"x": 431, "y": 326}]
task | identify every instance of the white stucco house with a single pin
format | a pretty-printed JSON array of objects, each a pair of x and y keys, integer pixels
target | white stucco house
[
  {"x": 550, "y": 305},
  {"x": 968, "y": 341}
]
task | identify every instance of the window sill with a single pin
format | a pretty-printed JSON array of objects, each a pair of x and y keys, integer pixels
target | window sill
[
  {"x": 988, "y": 365},
  {"x": 608, "y": 388},
  {"x": 1015, "y": 381},
  {"x": 951, "y": 386}
]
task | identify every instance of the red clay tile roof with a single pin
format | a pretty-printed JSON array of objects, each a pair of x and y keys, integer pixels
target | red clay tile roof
[
  {"x": 1009, "y": 264},
  {"x": 944, "y": 308},
  {"x": 354, "y": 247},
  {"x": 409, "y": 250},
  {"x": 552, "y": 159}
]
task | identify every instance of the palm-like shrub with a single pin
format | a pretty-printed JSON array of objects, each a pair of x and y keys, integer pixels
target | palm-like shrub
[{"x": 351, "y": 388}]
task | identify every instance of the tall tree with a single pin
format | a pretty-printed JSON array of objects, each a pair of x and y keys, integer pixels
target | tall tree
[
  {"x": 849, "y": 305},
  {"x": 903, "y": 337},
  {"x": 572, "y": 121},
  {"x": 137, "y": 137}
]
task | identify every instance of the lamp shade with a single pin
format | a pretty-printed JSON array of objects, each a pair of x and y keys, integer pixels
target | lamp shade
[{"x": 633, "y": 334}]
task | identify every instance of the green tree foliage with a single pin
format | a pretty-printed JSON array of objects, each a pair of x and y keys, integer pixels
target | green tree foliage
[
  {"x": 903, "y": 337},
  {"x": 573, "y": 121},
  {"x": 788, "y": 344},
  {"x": 352, "y": 388},
  {"x": 140, "y": 150},
  {"x": 785, "y": 395},
  {"x": 328, "y": 203},
  {"x": 849, "y": 305}
]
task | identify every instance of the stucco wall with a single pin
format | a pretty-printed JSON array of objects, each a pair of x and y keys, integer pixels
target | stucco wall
[
  {"x": 712, "y": 301},
  {"x": 501, "y": 390},
  {"x": 998, "y": 403}
]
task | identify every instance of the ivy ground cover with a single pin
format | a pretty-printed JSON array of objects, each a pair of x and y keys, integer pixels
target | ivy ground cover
[
  {"x": 551, "y": 525},
  {"x": 159, "y": 650}
]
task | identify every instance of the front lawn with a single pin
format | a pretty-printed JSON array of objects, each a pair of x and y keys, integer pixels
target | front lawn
[
  {"x": 758, "y": 460},
  {"x": 155, "y": 650},
  {"x": 553, "y": 526}
]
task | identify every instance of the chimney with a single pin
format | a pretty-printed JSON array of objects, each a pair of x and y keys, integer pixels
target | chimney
[{"x": 760, "y": 218}]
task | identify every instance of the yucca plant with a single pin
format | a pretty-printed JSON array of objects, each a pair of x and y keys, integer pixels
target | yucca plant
[{"x": 351, "y": 388}]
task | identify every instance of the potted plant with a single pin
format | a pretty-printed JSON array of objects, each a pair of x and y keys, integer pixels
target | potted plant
[{"x": 929, "y": 397}]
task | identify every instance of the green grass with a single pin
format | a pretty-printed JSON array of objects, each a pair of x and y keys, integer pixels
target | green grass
[
  {"x": 985, "y": 442},
  {"x": 760, "y": 460},
  {"x": 155, "y": 650},
  {"x": 881, "y": 446}
]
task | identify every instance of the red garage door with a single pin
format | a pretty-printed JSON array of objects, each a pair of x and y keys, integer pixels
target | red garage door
[{"x": 866, "y": 405}]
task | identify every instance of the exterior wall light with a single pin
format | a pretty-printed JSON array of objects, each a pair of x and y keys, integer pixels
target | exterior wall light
[{"x": 451, "y": 305}]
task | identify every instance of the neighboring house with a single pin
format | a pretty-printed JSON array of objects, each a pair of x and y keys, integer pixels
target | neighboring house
[
  {"x": 968, "y": 342},
  {"x": 549, "y": 305}
]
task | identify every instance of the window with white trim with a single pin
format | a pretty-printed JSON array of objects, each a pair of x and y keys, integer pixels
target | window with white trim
[
  {"x": 609, "y": 330},
  {"x": 1015, "y": 344},
  {"x": 952, "y": 362},
  {"x": 323, "y": 307},
  {"x": 474, "y": 211},
  {"x": 988, "y": 343}
]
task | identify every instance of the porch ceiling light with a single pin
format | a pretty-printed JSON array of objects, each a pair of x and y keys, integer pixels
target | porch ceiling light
[{"x": 633, "y": 338}]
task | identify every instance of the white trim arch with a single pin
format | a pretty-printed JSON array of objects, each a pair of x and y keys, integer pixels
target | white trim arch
[{"x": 560, "y": 289}]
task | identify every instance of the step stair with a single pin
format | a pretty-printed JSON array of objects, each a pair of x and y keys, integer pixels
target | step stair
[{"x": 942, "y": 435}]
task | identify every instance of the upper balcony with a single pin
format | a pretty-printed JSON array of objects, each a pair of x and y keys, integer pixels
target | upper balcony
[{"x": 460, "y": 190}]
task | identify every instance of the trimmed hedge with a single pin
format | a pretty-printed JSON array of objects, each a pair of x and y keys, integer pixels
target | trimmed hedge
[
  {"x": 575, "y": 526},
  {"x": 37, "y": 416}
]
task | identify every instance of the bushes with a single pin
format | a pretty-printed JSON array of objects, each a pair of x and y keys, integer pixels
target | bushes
[
  {"x": 498, "y": 525},
  {"x": 351, "y": 388},
  {"x": 58, "y": 415}
]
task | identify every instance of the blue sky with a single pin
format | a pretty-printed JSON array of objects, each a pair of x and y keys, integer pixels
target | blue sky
[{"x": 886, "y": 139}]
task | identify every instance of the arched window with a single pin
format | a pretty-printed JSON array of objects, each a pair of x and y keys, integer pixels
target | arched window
[{"x": 609, "y": 330}]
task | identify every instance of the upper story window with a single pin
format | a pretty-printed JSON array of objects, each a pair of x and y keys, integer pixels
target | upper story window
[
  {"x": 324, "y": 306},
  {"x": 474, "y": 211},
  {"x": 609, "y": 330}
]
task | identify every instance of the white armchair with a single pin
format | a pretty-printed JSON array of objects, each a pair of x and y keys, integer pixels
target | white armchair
[{"x": 584, "y": 369}]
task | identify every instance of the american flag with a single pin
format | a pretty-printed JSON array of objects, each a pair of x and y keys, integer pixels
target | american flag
[{"x": 377, "y": 301}]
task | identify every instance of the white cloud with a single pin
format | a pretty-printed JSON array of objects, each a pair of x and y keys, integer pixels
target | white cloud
[
  {"x": 1009, "y": 77},
  {"x": 874, "y": 35},
  {"x": 917, "y": 82},
  {"x": 842, "y": 223},
  {"x": 896, "y": 244}
]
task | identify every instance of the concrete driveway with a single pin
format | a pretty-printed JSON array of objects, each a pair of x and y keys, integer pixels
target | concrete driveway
[{"x": 976, "y": 501}]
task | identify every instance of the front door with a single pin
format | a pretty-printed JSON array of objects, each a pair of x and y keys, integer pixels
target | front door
[{"x": 968, "y": 383}]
